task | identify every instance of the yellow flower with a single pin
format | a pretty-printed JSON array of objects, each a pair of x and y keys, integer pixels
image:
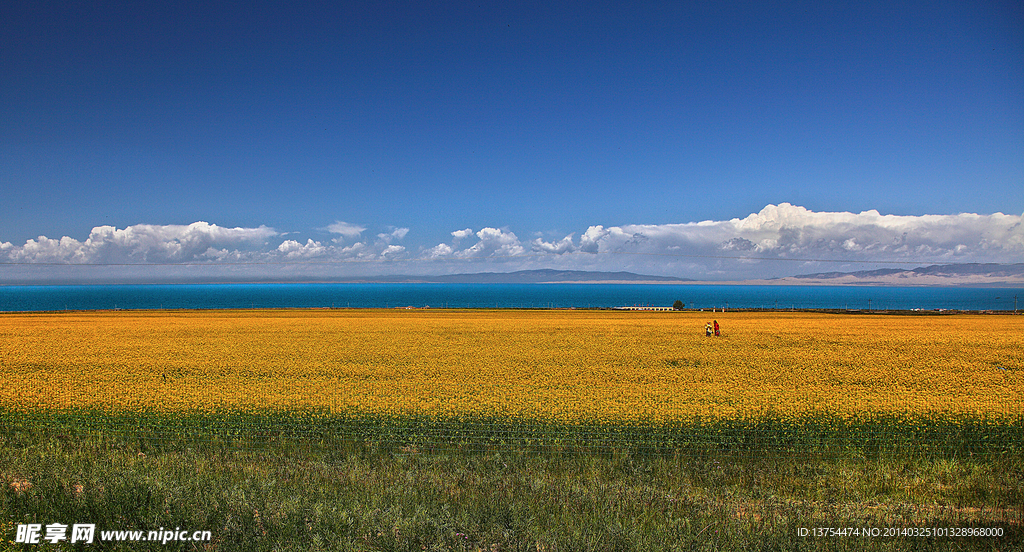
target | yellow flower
[{"x": 557, "y": 365}]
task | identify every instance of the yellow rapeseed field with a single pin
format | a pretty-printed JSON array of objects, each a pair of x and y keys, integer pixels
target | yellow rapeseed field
[{"x": 557, "y": 365}]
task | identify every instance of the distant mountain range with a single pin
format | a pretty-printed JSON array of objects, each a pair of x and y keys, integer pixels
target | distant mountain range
[
  {"x": 542, "y": 276},
  {"x": 935, "y": 275},
  {"x": 974, "y": 274},
  {"x": 953, "y": 274}
]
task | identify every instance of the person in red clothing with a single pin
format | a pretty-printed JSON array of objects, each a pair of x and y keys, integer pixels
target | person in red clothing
[{"x": 717, "y": 333}]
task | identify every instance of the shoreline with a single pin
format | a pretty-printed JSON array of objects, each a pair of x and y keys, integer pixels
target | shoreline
[
  {"x": 620, "y": 309},
  {"x": 846, "y": 281}
]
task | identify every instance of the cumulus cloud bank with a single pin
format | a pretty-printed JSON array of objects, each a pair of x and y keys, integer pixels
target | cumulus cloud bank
[
  {"x": 789, "y": 231},
  {"x": 728, "y": 249},
  {"x": 777, "y": 232},
  {"x": 141, "y": 243}
]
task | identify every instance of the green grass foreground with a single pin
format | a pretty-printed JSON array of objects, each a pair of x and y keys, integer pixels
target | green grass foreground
[{"x": 304, "y": 481}]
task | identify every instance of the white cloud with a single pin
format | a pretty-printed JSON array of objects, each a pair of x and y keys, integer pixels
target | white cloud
[
  {"x": 295, "y": 250},
  {"x": 788, "y": 231},
  {"x": 199, "y": 242},
  {"x": 564, "y": 245},
  {"x": 392, "y": 251},
  {"x": 748, "y": 247},
  {"x": 440, "y": 250},
  {"x": 396, "y": 234},
  {"x": 346, "y": 229},
  {"x": 740, "y": 247},
  {"x": 356, "y": 250},
  {"x": 141, "y": 243},
  {"x": 493, "y": 243}
]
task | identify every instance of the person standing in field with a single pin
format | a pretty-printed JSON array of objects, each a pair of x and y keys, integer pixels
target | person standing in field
[
  {"x": 707, "y": 329},
  {"x": 717, "y": 333}
]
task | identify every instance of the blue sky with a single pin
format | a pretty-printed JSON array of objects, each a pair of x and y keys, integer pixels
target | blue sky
[{"x": 369, "y": 138}]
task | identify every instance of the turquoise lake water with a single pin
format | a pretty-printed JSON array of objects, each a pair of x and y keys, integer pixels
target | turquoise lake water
[{"x": 237, "y": 296}]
